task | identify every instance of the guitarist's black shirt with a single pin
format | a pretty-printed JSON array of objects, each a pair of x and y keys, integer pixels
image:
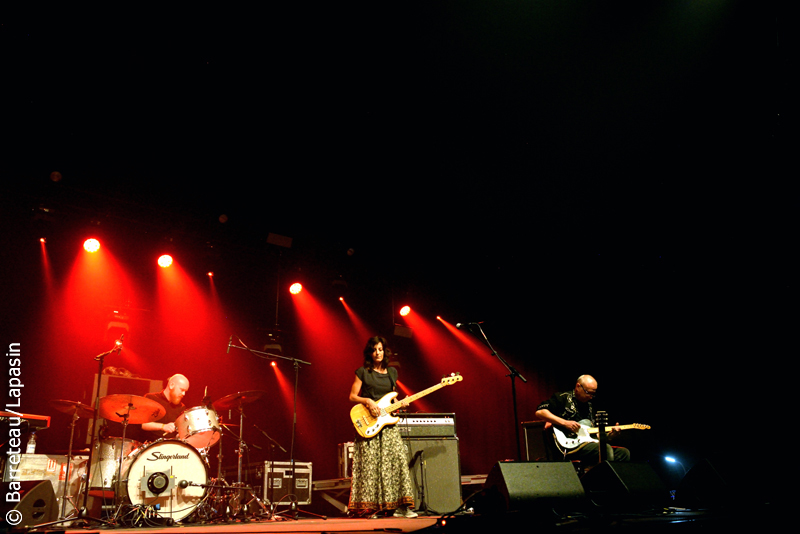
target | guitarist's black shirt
[
  {"x": 375, "y": 385},
  {"x": 566, "y": 406}
]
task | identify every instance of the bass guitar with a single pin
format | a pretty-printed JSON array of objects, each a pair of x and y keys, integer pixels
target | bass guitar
[
  {"x": 572, "y": 441},
  {"x": 367, "y": 425}
]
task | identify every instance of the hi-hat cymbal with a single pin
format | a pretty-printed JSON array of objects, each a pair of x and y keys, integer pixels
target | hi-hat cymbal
[
  {"x": 138, "y": 409},
  {"x": 237, "y": 399},
  {"x": 72, "y": 407}
]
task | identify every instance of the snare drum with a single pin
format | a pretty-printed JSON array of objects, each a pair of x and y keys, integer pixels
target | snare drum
[
  {"x": 199, "y": 427},
  {"x": 155, "y": 474}
]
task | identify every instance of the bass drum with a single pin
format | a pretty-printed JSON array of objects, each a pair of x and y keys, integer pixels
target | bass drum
[{"x": 154, "y": 475}]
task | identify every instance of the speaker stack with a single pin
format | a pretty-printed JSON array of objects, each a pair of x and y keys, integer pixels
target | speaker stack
[{"x": 434, "y": 461}]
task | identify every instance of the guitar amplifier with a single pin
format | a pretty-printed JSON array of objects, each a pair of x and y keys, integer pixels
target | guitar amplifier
[{"x": 427, "y": 425}]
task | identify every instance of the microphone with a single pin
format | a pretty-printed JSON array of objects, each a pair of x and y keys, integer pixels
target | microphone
[
  {"x": 462, "y": 326},
  {"x": 230, "y": 342},
  {"x": 183, "y": 484},
  {"x": 118, "y": 343}
]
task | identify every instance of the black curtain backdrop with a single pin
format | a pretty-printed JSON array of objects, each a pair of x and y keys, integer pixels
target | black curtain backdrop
[{"x": 600, "y": 185}]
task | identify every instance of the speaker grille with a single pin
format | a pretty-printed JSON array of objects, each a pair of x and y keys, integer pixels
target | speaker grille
[{"x": 435, "y": 473}]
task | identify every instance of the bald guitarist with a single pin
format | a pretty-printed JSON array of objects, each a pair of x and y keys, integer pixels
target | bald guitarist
[{"x": 564, "y": 411}]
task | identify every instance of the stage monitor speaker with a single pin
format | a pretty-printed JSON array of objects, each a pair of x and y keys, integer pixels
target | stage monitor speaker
[
  {"x": 703, "y": 487},
  {"x": 628, "y": 485},
  {"x": 435, "y": 474},
  {"x": 28, "y": 503},
  {"x": 527, "y": 486}
]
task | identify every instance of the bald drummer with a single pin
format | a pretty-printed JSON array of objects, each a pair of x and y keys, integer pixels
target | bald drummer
[{"x": 171, "y": 398}]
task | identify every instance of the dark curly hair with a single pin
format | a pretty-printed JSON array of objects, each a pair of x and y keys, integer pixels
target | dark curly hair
[{"x": 387, "y": 352}]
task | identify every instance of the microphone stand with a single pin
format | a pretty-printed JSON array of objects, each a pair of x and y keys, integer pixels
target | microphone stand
[
  {"x": 296, "y": 362},
  {"x": 513, "y": 374},
  {"x": 83, "y": 514}
]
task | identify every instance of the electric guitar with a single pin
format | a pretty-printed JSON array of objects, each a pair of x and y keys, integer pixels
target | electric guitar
[
  {"x": 572, "y": 441},
  {"x": 367, "y": 425}
]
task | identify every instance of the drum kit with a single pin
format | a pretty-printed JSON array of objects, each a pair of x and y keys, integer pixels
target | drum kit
[{"x": 167, "y": 480}]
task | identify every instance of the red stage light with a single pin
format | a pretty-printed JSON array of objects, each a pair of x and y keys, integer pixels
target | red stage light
[
  {"x": 405, "y": 310},
  {"x": 42, "y": 240},
  {"x": 295, "y": 288},
  {"x": 165, "y": 260},
  {"x": 91, "y": 245}
]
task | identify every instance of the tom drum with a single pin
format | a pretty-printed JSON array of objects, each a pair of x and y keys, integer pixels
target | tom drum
[{"x": 199, "y": 427}]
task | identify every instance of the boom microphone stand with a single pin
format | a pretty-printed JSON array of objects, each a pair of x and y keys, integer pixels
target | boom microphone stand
[
  {"x": 296, "y": 362},
  {"x": 512, "y": 373},
  {"x": 83, "y": 513}
]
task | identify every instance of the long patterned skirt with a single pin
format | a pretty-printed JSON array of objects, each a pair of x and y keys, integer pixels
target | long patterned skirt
[{"x": 381, "y": 480}]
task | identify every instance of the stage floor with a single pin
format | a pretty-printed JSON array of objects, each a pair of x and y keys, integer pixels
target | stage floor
[
  {"x": 660, "y": 520},
  {"x": 267, "y": 526}
]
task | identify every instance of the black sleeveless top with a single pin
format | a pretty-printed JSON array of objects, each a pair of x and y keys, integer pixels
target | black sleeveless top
[{"x": 375, "y": 385}]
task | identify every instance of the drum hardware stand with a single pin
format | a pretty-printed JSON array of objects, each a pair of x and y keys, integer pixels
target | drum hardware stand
[
  {"x": 74, "y": 409},
  {"x": 243, "y": 489},
  {"x": 118, "y": 485},
  {"x": 73, "y": 422}
]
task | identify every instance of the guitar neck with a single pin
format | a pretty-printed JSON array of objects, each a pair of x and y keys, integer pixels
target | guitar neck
[
  {"x": 595, "y": 430},
  {"x": 412, "y": 398}
]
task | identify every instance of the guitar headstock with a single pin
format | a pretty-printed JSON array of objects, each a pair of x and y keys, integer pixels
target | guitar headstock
[{"x": 452, "y": 379}]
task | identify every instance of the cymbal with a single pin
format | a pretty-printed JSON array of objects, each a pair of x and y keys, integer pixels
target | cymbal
[
  {"x": 237, "y": 399},
  {"x": 70, "y": 407},
  {"x": 139, "y": 409}
]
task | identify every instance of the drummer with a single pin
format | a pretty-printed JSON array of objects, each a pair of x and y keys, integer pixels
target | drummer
[{"x": 171, "y": 399}]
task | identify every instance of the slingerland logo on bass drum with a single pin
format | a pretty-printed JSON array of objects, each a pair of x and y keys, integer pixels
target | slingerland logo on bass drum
[{"x": 155, "y": 456}]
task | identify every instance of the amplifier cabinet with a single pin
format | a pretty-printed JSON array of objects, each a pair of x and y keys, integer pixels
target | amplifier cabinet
[
  {"x": 278, "y": 482},
  {"x": 435, "y": 468}
]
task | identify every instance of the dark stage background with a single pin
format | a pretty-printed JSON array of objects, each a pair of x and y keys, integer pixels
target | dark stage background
[{"x": 600, "y": 185}]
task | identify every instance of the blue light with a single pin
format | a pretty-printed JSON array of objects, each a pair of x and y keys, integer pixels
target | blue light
[{"x": 670, "y": 459}]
